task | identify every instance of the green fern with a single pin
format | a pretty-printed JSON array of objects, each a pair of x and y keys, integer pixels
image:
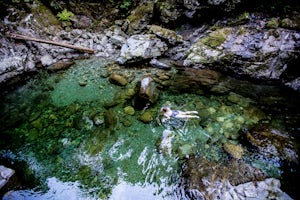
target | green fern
[{"x": 65, "y": 15}]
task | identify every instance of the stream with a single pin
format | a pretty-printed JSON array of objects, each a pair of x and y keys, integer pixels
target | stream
[{"x": 61, "y": 134}]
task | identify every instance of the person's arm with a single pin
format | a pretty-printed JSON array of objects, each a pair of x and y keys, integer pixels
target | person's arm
[{"x": 166, "y": 115}]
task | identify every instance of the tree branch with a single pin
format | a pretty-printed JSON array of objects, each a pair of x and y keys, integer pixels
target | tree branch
[{"x": 22, "y": 37}]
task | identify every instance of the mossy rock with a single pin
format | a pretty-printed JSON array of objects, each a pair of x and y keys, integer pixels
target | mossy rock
[
  {"x": 272, "y": 23},
  {"x": 216, "y": 38},
  {"x": 43, "y": 16},
  {"x": 129, "y": 110},
  {"x": 140, "y": 17},
  {"x": 234, "y": 150},
  {"x": 146, "y": 117},
  {"x": 110, "y": 119}
]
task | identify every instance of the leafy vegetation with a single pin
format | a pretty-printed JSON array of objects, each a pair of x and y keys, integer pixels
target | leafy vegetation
[
  {"x": 125, "y": 4},
  {"x": 65, "y": 15}
]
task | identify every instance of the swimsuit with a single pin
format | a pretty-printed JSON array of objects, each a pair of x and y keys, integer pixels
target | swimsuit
[{"x": 174, "y": 113}]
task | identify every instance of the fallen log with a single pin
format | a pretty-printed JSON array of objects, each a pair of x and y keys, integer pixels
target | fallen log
[{"x": 23, "y": 37}]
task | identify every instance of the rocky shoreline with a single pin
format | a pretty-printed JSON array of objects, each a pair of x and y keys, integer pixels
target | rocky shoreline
[{"x": 250, "y": 46}]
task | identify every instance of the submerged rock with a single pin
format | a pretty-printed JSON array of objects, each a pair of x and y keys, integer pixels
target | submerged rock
[
  {"x": 271, "y": 143},
  {"x": 110, "y": 119},
  {"x": 146, "y": 117},
  {"x": 223, "y": 182},
  {"x": 117, "y": 79},
  {"x": 129, "y": 110},
  {"x": 195, "y": 79}
]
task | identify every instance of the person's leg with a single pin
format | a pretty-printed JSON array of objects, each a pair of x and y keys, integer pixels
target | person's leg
[
  {"x": 182, "y": 116},
  {"x": 191, "y": 112}
]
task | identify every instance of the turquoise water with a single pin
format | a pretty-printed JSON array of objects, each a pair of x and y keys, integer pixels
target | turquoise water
[{"x": 73, "y": 134}]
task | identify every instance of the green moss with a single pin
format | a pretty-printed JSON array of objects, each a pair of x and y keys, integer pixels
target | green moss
[
  {"x": 84, "y": 171},
  {"x": 272, "y": 23},
  {"x": 43, "y": 15},
  {"x": 216, "y": 38},
  {"x": 241, "y": 19},
  {"x": 140, "y": 11}
]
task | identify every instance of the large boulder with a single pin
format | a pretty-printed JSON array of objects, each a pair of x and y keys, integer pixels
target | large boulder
[
  {"x": 140, "y": 47},
  {"x": 252, "y": 50}
]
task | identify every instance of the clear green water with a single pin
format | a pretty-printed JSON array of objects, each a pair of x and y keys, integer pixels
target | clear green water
[{"x": 47, "y": 123}]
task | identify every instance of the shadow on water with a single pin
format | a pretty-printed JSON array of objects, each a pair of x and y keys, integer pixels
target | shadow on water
[{"x": 71, "y": 130}]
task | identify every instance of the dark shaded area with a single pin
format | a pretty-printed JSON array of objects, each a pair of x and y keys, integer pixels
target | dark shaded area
[{"x": 23, "y": 178}]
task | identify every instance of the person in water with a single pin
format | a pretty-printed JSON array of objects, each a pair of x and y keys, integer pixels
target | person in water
[{"x": 168, "y": 113}]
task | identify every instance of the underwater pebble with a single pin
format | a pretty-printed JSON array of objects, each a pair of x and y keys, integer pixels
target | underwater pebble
[
  {"x": 129, "y": 110},
  {"x": 146, "y": 117},
  {"x": 82, "y": 83}
]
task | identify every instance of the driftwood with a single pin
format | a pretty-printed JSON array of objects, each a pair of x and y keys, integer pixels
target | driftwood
[{"x": 22, "y": 37}]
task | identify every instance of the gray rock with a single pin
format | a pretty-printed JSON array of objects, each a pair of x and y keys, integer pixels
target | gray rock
[
  {"x": 258, "y": 53},
  {"x": 5, "y": 175},
  {"x": 155, "y": 63},
  {"x": 10, "y": 64},
  {"x": 47, "y": 60},
  {"x": 139, "y": 47}
]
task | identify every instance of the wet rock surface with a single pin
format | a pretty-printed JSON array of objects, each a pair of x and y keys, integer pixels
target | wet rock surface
[
  {"x": 226, "y": 183},
  {"x": 8, "y": 179}
]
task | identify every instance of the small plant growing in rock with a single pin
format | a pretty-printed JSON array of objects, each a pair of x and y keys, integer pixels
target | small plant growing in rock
[
  {"x": 65, "y": 15},
  {"x": 125, "y": 4}
]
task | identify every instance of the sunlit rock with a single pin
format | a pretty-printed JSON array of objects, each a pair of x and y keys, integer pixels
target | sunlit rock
[{"x": 98, "y": 120}]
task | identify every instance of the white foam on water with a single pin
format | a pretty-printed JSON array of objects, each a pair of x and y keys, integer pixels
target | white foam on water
[
  {"x": 57, "y": 191},
  {"x": 127, "y": 191},
  {"x": 95, "y": 161},
  {"x": 116, "y": 155}
]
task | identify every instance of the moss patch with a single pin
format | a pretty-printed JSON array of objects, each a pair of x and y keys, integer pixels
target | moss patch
[{"x": 216, "y": 38}]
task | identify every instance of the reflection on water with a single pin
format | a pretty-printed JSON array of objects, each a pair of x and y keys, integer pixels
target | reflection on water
[
  {"x": 57, "y": 190},
  {"x": 57, "y": 124}
]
